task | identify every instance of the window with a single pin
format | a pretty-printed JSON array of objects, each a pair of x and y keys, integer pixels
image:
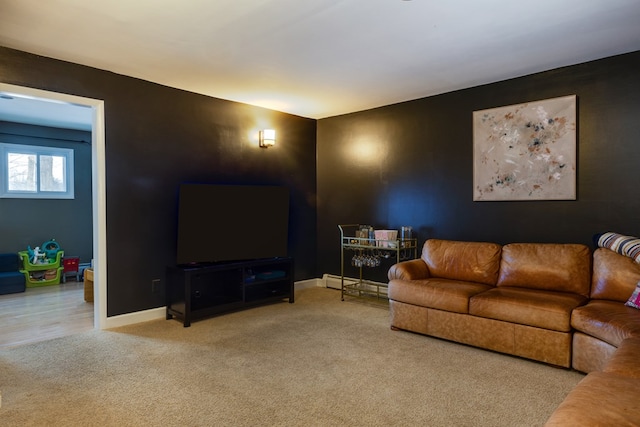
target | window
[{"x": 30, "y": 171}]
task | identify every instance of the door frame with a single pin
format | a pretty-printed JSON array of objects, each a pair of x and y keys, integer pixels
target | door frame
[{"x": 99, "y": 194}]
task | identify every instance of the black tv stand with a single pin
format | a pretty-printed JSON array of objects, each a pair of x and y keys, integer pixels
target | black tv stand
[{"x": 196, "y": 291}]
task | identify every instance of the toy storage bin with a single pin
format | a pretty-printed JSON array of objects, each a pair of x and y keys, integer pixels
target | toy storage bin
[
  {"x": 33, "y": 280},
  {"x": 28, "y": 266},
  {"x": 29, "y": 269}
]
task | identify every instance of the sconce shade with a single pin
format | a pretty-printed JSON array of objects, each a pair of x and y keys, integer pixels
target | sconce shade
[{"x": 267, "y": 138}]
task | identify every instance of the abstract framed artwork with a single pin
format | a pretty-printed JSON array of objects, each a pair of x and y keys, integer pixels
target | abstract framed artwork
[{"x": 525, "y": 151}]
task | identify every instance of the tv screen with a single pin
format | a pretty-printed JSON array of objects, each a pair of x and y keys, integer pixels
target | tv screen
[{"x": 231, "y": 223}]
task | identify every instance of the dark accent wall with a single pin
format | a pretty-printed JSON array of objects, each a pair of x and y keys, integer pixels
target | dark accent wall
[
  {"x": 402, "y": 164},
  {"x": 158, "y": 137},
  {"x": 412, "y": 164},
  {"x": 31, "y": 222}
]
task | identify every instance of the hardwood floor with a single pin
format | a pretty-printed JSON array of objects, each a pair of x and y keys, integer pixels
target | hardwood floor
[{"x": 40, "y": 314}]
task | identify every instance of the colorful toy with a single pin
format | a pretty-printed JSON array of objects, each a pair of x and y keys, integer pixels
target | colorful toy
[
  {"x": 47, "y": 254},
  {"x": 51, "y": 248},
  {"x": 36, "y": 256}
]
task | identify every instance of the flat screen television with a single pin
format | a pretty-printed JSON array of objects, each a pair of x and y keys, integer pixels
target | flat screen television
[{"x": 219, "y": 223}]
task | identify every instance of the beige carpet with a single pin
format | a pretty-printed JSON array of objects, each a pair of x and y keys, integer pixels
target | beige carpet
[{"x": 317, "y": 362}]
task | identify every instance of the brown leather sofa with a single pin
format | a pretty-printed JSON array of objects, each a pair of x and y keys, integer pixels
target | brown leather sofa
[
  {"x": 607, "y": 398},
  {"x": 515, "y": 299},
  {"x": 555, "y": 303},
  {"x": 606, "y": 344},
  {"x": 604, "y": 322}
]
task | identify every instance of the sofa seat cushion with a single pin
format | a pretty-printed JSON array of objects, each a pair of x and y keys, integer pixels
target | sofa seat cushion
[
  {"x": 12, "y": 282},
  {"x": 531, "y": 307},
  {"x": 441, "y": 294},
  {"x": 624, "y": 361},
  {"x": 609, "y": 321},
  {"x": 600, "y": 399}
]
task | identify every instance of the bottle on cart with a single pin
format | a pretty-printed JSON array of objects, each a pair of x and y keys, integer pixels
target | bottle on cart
[{"x": 406, "y": 233}]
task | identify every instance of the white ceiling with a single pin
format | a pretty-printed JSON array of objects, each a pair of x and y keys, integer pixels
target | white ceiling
[
  {"x": 44, "y": 112},
  {"x": 319, "y": 58}
]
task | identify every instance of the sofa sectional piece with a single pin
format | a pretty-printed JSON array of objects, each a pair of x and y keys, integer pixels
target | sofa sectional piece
[
  {"x": 515, "y": 299},
  {"x": 605, "y": 321},
  {"x": 556, "y": 303},
  {"x": 605, "y": 398},
  {"x": 606, "y": 345}
]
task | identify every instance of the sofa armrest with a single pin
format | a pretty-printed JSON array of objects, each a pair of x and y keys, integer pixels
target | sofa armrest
[{"x": 414, "y": 269}]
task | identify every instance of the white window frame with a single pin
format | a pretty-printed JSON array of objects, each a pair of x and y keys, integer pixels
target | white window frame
[{"x": 6, "y": 148}]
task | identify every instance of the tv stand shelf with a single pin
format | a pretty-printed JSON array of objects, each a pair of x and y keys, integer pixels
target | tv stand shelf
[{"x": 194, "y": 292}]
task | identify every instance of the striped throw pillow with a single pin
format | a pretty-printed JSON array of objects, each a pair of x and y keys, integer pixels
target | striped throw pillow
[{"x": 624, "y": 245}]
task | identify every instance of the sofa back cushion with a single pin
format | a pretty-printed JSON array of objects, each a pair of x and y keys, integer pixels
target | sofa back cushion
[
  {"x": 614, "y": 276},
  {"x": 547, "y": 266},
  {"x": 468, "y": 261}
]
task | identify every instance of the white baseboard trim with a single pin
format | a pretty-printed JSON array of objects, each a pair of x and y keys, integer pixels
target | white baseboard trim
[
  {"x": 161, "y": 312},
  {"x": 137, "y": 317},
  {"x": 309, "y": 283}
]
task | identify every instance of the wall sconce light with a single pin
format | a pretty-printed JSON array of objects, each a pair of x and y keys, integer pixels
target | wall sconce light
[{"x": 267, "y": 138}]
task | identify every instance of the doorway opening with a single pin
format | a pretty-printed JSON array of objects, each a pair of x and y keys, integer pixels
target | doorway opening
[{"x": 98, "y": 176}]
